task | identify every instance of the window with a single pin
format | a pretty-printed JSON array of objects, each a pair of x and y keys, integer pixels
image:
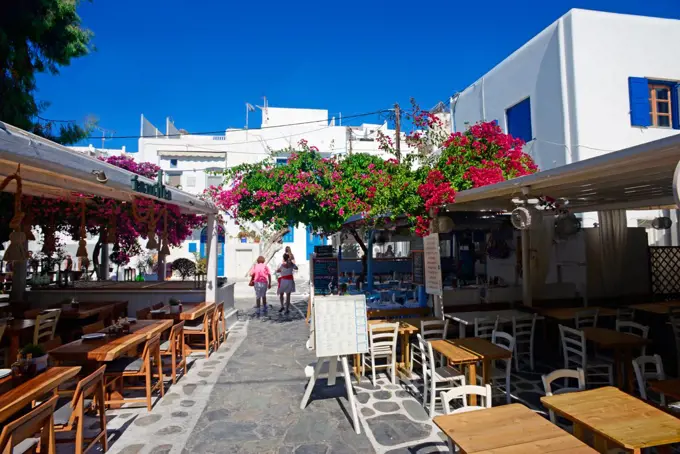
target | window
[
  {"x": 192, "y": 248},
  {"x": 174, "y": 179},
  {"x": 660, "y": 105},
  {"x": 518, "y": 119},
  {"x": 213, "y": 180},
  {"x": 653, "y": 102},
  {"x": 290, "y": 236},
  {"x": 173, "y": 163},
  {"x": 281, "y": 161}
]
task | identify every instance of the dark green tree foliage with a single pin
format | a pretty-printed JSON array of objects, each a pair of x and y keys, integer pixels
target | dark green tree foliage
[{"x": 38, "y": 36}]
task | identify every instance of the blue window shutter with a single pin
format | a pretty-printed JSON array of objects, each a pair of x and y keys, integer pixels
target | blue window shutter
[
  {"x": 518, "y": 119},
  {"x": 675, "y": 107},
  {"x": 638, "y": 91},
  {"x": 192, "y": 247}
]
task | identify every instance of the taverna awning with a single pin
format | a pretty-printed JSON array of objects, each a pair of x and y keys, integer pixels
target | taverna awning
[
  {"x": 640, "y": 177},
  {"x": 52, "y": 170}
]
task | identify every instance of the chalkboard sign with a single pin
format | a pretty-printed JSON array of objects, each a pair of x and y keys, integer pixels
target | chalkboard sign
[
  {"x": 418, "y": 258},
  {"x": 325, "y": 271},
  {"x": 323, "y": 251}
]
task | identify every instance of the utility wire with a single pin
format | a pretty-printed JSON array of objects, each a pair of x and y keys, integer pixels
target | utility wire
[{"x": 222, "y": 131}]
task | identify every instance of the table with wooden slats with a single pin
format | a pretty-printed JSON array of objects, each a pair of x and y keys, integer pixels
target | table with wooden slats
[
  {"x": 17, "y": 398},
  {"x": 110, "y": 347},
  {"x": 659, "y": 308},
  {"x": 462, "y": 351},
  {"x": 508, "y": 429},
  {"x": 616, "y": 419},
  {"x": 17, "y": 329}
]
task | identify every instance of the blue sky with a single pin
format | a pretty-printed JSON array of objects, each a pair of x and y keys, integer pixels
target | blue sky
[{"x": 200, "y": 61}]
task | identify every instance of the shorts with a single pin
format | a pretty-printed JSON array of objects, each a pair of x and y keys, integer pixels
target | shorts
[
  {"x": 261, "y": 289},
  {"x": 286, "y": 286}
]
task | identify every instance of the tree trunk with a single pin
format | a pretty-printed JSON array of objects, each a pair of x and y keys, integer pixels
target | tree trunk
[
  {"x": 272, "y": 246},
  {"x": 95, "y": 257}
]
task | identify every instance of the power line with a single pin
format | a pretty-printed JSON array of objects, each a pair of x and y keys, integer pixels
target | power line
[{"x": 222, "y": 131}]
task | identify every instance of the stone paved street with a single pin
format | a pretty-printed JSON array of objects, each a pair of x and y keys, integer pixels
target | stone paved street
[{"x": 246, "y": 397}]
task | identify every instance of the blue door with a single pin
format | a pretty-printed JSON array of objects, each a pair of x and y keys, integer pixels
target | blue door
[
  {"x": 220, "y": 249},
  {"x": 313, "y": 240}
]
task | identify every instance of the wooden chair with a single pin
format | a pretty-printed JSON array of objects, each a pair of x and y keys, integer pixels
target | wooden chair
[
  {"x": 19, "y": 436},
  {"x": 523, "y": 329},
  {"x": 636, "y": 329},
  {"x": 122, "y": 368},
  {"x": 625, "y": 314},
  {"x": 429, "y": 330},
  {"x": 435, "y": 378},
  {"x": 643, "y": 373},
  {"x": 201, "y": 330},
  {"x": 220, "y": 325},
  {"x": 46, "y": 325},
  {"x": 575, "y": 356},
  {"x": 93, "y": 327},
  {"x": 71, "y": 416},
  {"x": 174, "y": 348},
  {"x": 144, "y": 314},
  {"x": 502, "y": 368},
  {"x": 485, "y": 326},
  {"x": 565, "y": 374},
  {"x": 586, "y": 318},
  {"x": 382, "y": 344},
  {"x": 157, "y": 306}
]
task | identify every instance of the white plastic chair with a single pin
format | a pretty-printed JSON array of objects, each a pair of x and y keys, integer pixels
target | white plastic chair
[
  {"x": 574, "y": 351},
  {"x": 461, "y": 393},
  {"x": 430, "y": 330},
  {"x": 636, "y": 329},
  {"x": 643, "y": 373},
  {"x": 436, "y": 378},
  {"x": 565, "y": 374},
  {"x": 382, "y": 344},
  {"x": 625, "y": 314},
  {"x": 523, "y": 329},
  {"x": 485, "y": 326},
  {"x": 502, "y": 374},
  {"x": 586, "y": 318}
]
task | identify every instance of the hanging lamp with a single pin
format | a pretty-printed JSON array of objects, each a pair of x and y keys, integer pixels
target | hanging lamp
[
  {"x": 165, "y": 250},
  {"x": 16, "y": 251}
]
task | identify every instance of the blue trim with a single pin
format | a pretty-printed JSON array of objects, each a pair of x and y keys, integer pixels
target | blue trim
[
  {"x": 369, "y": 263},
  {"x": 518, "y": 119},
  {"x": 192, "y": 247},
  {"x": 290, "y": 236},
  {"x": 675, "y": 106},
  {"x": 638, "y": 94},
  {"x": 281, "y": 161}
]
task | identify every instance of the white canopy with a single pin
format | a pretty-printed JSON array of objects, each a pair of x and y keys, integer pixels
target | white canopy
[
  {"x": 639, "y": 177},
  {"x": 52, "y": 170}
]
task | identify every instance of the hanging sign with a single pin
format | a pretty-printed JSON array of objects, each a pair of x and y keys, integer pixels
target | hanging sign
[
  {"x": 433, "y": 268},
  {"x": 325, "y": 271},
  {"x": 156, "y": 190}
]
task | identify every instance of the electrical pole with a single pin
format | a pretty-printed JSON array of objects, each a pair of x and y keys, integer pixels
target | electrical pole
[{"x": 397, "y": 131}]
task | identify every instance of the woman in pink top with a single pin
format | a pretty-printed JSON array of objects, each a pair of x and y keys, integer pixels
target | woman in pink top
[{"x": 262, "y": 281}]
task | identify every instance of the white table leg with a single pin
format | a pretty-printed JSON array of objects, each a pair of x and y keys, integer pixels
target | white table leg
[
  {"x": 350, "y": 395},
  {"x": 312, "y": 380},
  {"x": 332, "y": 370}
]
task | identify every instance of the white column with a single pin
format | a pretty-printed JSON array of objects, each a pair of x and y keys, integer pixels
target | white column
[{"x": 211, "y": 252}]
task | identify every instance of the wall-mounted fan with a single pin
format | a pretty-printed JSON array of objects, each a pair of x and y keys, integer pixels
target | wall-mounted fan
[
  {"x": 566, "y": 225},
  {"x": 521, "y": 218},
  {"x": 662, "y": 223}
]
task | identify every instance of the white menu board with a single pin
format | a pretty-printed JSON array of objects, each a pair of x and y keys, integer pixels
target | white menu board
[
  {"x": 433, "y": 265},
  {"x": 340, "y": 325}
]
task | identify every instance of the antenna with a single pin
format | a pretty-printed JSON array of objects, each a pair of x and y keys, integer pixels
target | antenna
[{"x": 104, "y": 132}]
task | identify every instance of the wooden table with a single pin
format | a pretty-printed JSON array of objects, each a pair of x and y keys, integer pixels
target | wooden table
[
  {"x": 616, "y": 418},
  {"x": 467, "y": 352},
  {"x": 35, "y": 388},
  {"x": 659, "y": 308},
  {"x": 508, "y": 429},
  {"x": 110, "y": 348},
  {"x": 17, "y": 328},
  {"x": 622, "y": 344},
  {"x": 670, "y": 388},
  {"x": 569, "y": 313},
  {"x": 190, "y": 311},
  {"x": 84, "y": 310}
]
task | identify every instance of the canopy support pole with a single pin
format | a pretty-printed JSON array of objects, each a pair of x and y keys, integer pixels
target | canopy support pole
[{"x": 211, "y": 278}]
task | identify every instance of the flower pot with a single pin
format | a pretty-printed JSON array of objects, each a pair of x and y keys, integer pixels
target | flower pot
[
  {"x": 40, "y": 362},
  {"x": 244, "y": 240},
  {"x": 150, "y": 277}
]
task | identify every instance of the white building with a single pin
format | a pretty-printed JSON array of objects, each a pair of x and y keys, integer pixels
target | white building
[
  {"x": 187, "y": 160},
  {"x": 590, "y": 83}
]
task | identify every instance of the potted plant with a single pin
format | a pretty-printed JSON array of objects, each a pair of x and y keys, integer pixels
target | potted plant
[
  {"x": 35, "y": 355},
  {"x": 175, "y": 305},
  {"x": 258, "y": 238},
  {"x": 243, "y": 235}
]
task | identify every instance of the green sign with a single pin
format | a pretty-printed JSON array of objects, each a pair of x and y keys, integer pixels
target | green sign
[{"x": 156, "y": 190}]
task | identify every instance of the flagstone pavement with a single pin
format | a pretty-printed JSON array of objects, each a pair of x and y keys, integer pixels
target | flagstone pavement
[{"x": 246, "y": 399}]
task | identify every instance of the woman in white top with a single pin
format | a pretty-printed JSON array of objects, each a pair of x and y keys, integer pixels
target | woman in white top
[{"x": 286, "y": 282}]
